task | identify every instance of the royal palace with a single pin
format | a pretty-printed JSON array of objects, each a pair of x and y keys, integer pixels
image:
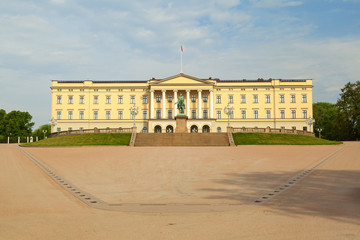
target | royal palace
[{"x": 210, "y": 104}]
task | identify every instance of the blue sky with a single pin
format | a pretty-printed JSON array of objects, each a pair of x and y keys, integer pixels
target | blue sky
[{"x": 41, "y": 40}]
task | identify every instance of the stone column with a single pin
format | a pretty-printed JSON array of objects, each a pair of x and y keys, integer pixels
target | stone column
[
  {"x": 163, "y": 104},
  {"x": 211, "y": 104},
  {"x": 188, "y": 103},
  {"x": 152, "y": 110},
  {"x": 200, "y": 100},
  {"x": 175, "y": 100}
]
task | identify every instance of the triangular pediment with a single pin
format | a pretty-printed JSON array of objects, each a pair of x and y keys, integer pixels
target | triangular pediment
[{"x": 180, "y": 79}]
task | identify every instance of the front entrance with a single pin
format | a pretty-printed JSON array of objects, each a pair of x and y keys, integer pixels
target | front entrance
[
  {"x": 169, "y": 129},
  {"x": 194, "y": 129},
  {"x": 157, "y": 129},
  {"x": 205, "y": 129}
]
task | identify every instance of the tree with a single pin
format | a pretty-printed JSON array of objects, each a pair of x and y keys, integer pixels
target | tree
[
  {"x": 349, "y": 107},
  {"x": 326, "y": 115},
  {"x": 15, "y": 124},
  {"x": 40, "y": 131}
]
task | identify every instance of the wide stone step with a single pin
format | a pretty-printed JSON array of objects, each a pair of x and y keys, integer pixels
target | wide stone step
[{"x": 181, "y": 139}]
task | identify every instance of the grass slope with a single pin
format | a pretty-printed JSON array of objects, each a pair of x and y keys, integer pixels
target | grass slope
[
  {"x": 85, "y": 140},
  {"x": 278, "y": 139}
]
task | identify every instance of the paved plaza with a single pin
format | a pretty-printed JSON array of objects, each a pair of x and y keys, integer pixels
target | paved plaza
[{"x": 244, "y": 192}]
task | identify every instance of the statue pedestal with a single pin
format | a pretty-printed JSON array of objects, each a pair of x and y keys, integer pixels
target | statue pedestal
[{"x": 181, "y": 124}]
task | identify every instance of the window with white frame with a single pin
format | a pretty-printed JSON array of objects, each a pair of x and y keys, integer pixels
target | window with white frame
[
  {"x": 120, "y": 115},
  {"x": 120, "y": 99},
  {"x": 169, "y": 98},
  {"x": 58, "y": 115},
  {"x": 267, "y": 98},
  {"x": 145, "y": 99},
  {"x": 82, "y": 99},
  {"x": 282, "y": 113},
  {"x": 243, "y": 114},
  {"x": 193, "y": 114},
  {"x": 193, "y": 97},
  {"x": 232, "y": 114},
  {"x": 96, "y": 115},
  {"x": 59, "y": 99},
  {"x": 268, "y": 113},
  {"x": 255, "y": 98},
  {"x": 58, "y": 129},
  {"x": 231, "y": 99},
  {"x": 96, "y": 100},
  {"x": 170, "y": 113},
  {"x": 108, "y": 114},
  {"x": 158, "y": 98},
  {"x": 293, "y": 113},
  {"x": 158, "y": 114},
  {"x": 205, "y": 114},
  {"x": 132, "y": 115},
  {"x": 205, "y": 97},
  {"x": 218, "y": 98},
  {"x": 256, "y": 114},
  {"x": 243, "y": 98},
  {"x": 108, "y": 99},
  {"x": 70, "y": 100},
  {"x": 145, "y": 112},
  {"x": 292, "y": 98},
  {"x": 70, "y": 114},
  {"x": 132, "y": 99},
  {"x": 218, "y": 114},
  {"x": 304, "y": 98},
  {"x": 304, "y": 113},
  {"x": 81, "y": 115},
  {"x": 282, "y": 98}
]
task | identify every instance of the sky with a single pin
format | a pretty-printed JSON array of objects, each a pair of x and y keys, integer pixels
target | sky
[{"x": 44, "y": 40}]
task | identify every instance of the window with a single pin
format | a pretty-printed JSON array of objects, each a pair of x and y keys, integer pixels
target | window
[
  {"x": 69, "y": 128},
  {"x": 145, "y": 99},
  {"x": 145, "y": 114},
  {"x": 144, "y": 130},
  {"x": 282, "y": 113},
  {"x": 218, "y": 114},
  {"x": 304, "y": 98},
  {"x": 256, "y": 114},
  {"x": 255, "y": 99},
  {"x": 218, "y": 129},
  {"x": 70, "y": 115},
  {"x": 232, "y": 114},
  {"x": 107, "y": 115},
  {"x": 58, "y": 129},
  {"x": 282, "y": 98},
  {"x": 96, "y": 99},
  {"x": 120, "y": 99},
  {"x": 132, "y": 115},
  {"x": 268, "y": 113},
  {"x": 267, "y": 98},
  {"x": 158, "y": 98},
  {"x": 169, "y": 98},
  {"x": 293, "y": 127},
  {"x": 132, "y": 99},
  {"x": 81, "y": 115},
  {"x": 231, "y": 99},
  {"x": 193, "y": 114},
  {"x": 96, "y": 115},
  {"x": 205, "y": 98},
  {"x": 218, "y": 98},
  {"x": 304, "y": 113},
  {"x": 59, "y": 100},
  {"x": 81, "y": 99},
  {"x": 120, "y": 115},
  {"x": 205, "y": 114},
  {"x": 193, "y": 98},
  {"x": 292, "y": 98},
  {"x": 108, "y": 100},
  {"x": 243, "y": 98},
  {"x": 243, "y": 114},
  {"x": 169, "y": 114},
  {"x": 304, "y": 128},
  {"x": 58, "y": 115},
  {"x": 158, "y": 114},
  {"x": 293, "y": 113},
  {"x": 70, "y": 100}
]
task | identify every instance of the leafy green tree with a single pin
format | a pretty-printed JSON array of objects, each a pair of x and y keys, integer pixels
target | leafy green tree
[
  {"x": 326, "y": 115},
  {"x": 17, "y": 123},
  {"x": 40, "y": 131}
]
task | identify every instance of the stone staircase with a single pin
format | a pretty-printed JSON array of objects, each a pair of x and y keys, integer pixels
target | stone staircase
[{"x": 181, "y": 139}]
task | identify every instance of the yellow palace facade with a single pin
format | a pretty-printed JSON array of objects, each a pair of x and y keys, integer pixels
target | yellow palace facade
[{"x": 274, "y": 103}]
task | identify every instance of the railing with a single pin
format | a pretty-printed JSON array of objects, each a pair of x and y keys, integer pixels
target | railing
[
  {"x": 91, "y": 131},
  {"x": 272, "y": 130}
]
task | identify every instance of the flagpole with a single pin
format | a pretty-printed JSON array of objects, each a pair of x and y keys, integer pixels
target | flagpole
[{"x": 181, "y": 64}]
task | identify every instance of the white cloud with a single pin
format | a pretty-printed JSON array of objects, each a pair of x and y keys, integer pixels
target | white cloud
[{"x": 276, "y": 3}]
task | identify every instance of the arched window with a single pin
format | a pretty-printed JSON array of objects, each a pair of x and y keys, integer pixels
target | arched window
[
  {"x": 219, "y": 129},
  {"x": 205, "y": 129},
  {"x": 169, "y": 129},
  {"x": 194, "y": 129},
  {"x": 157, "y": 129}
]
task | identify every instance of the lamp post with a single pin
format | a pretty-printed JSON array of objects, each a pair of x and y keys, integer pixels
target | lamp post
[
  {"x": 310, "y": 121},
  {"x": 53, "y": 123},
  {"x": 44, "y": 131},
  {"x": 134, "y": 111},
  {"x": 319, "y": 130},
  {"x": 228, "y": 111}
]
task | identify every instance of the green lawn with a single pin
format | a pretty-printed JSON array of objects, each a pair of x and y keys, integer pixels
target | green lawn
[
  {"x": 85, "y": 140},
  {"x": 278, "y": 139}
]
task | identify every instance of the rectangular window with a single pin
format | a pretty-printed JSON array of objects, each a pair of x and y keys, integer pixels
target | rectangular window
[
  {"x": 108, "y": 99},
  {"x": 304, "y": 98},
  {"x": 193, "y": 98},
  {"x": 243, "y": 114},
  {"x": 205, "y": 114},
  {"x": 256, "y": 114},
  {"x": 58, "y": 115},
  {"x": 145, "y": 114},
  {"x": 218, "y": 98},
  {"x": 59, "y": 100},
  {"x": 205, "y": 98},
  {"x": 158, "y": 98},
  {"x": 158, "y": 114},
  {"x": 282, "y": 113},
  {"x": 107, "y": 115},
  {"x": 268, "y": 113},
  {"x": 145, "y": 99},
  {"x": 293, "y": 113},
  {"x": 218, "y": 114},
  {"x": 132, "y": 99},
  {"x": 169, "y": 98},
  {"x": 120, "y": 99},
  {"x": 293, "y": 98},
  {"x": 58, "y": 129},
  {"x": 69, "y": 128},
  {"x": 193, "y": 114},
  {"x": 132, "y": 115},
  {"x": 304, "y": 113},
  {"x": 81, "y": 115},
  {"x": 96, "y": 99},
  {"x": 70, "y": 115},
  {"x": 243, "y": 98},
  {"x": 169, "y": 114},
  {"x": 231, "y": 99},
  {"x": 255, "y": 98},
  {"x": 232, "y": 114},
  {"x": 70, "y": 100},
  {"x": 96, "y": 115},
  {"x": 282, "y": 98},
  {"x": 81, "y": 99},
  {"x": 304, "y": 128},
  {"x": 267, "y": 98},
  {"x": 120, "y": 115}
]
